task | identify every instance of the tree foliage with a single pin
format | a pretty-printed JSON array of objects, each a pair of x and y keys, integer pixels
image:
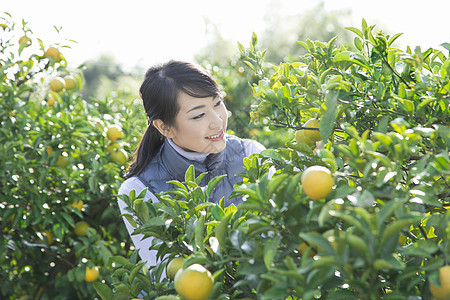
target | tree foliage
[
  {"x": 383, "y": 230},
  {"x": 56, "y": 172}
]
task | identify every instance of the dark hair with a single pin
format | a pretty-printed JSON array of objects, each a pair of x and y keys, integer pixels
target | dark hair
[{"x": 159, "y": 93}]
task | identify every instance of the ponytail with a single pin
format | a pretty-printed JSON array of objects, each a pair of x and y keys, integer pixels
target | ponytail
[{"x": 149, "y": 145}]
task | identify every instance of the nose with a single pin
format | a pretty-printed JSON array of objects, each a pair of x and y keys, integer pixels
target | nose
[{"x": 216, "y": 121}]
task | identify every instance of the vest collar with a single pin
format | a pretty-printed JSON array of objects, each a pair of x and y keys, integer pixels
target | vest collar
[
  {"x": 177, "y": 161},
  {"x": 195, "y": 156}
]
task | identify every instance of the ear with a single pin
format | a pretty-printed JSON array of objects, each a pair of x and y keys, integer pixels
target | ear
[{"x": 164, "y": 129}]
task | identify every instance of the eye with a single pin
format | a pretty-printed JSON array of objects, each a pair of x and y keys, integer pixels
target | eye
[
  {"x": 198, "y": 116},
  {"x": 218, "y": 103}
]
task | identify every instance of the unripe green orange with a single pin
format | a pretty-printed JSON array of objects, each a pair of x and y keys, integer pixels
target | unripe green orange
[
  {"x": 70, "y": 82},
  {"x": 313, "y": 135},
  {"x": 57, "y": 84},
  {"x": 80, "y": 228},
  {"x": 301, "y": 138},
  {"x": 173, "y": 266},
  {"x": 114, "y": 132},
  {"x": 119, "y": 156}
]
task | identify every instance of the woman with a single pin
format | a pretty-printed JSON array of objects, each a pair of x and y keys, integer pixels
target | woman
[{"x": 187, "y": 123}]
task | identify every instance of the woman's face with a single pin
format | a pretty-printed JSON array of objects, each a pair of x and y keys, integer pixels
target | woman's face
[{"x": 201, "y": 124}]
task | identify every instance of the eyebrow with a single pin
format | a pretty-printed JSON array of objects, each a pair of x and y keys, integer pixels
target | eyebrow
[
  {"x": 196, "y": 107},
  {"x": 199, "y": 106}
]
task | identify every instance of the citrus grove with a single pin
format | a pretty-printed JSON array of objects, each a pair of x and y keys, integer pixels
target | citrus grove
[
  {"x": 357, "y": 207},
  {"x": 353, "y": 206},
  {"x": 59, "y": 220}
]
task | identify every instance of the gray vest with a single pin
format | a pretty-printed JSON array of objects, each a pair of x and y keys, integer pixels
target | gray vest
[{"x": 168, "y": 165}]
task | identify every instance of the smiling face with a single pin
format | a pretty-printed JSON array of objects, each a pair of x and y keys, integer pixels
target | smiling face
[{"x": 201, "y": 124}]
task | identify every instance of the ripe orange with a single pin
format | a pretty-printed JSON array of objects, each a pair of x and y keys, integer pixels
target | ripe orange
[
  {"x": 443, "y": 292},
  {"x": 173, "y": 266},
  {"x": 53, "y": 52},
  {"x": 80, "y": 228},
  {"x": 317, "y": 182},
  {"x": 114, "y": 132},
  {"x": 57, "y": 84},
  {"x": 194, "y": 283},
  {"x": 91, "y": 274}
]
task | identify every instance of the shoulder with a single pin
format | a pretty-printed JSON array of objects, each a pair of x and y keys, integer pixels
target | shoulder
[
  {"x": 132, "y": 183},
  {"x": 250, "y": 146}
]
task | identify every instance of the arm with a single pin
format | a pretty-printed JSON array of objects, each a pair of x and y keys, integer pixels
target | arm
[{"x": 142, "y": 245}]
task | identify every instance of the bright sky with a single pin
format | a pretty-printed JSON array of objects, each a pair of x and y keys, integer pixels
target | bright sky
[{"x": 143, "y": 32}]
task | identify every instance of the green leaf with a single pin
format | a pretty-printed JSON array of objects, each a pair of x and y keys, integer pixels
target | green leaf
[
  {"x": 356, "y": 31},
  {"x": 393, "y": 38},
  {"x": 222, "y": 230},
  {"x": 103, "y": 290},
  {"x": 199, "y": 231},
  {"x": 213, "y": 183},
  {"x": 328, "y": 116},
  {"x": 130, "y": 220},
  {"x": 142, "y": 209},
  {"x": 386, "y": 211},
  {"x": 270, "y": 250},
  {"x": 317, "y": 240},
  {"x": 189, "y": 176},
  {"x": 241, "y": 48},
  {"x": 395, "y": 227},
  {"x": 353, "y": 57},
  {"x": 217, "y": 212}
]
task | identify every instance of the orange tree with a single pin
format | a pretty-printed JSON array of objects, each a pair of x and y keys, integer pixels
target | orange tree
[
  {"x": 380, "y": 233},
  {"x": 58, "y": 216}
]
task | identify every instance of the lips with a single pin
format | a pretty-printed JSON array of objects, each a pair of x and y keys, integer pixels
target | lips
[{"x": 217, "y": 137}]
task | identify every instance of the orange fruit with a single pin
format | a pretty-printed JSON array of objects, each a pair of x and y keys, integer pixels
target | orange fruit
[
  {"x": 63, "y": 161},
  {"x": 91, "y": 274},
  {"x": 114, "y": 132},
  {"x": 317, "y": 182},
  {"x": 194, "y": 283},
  {"x": 25, "y": 40},
  {"x": 57, "y": 84},
  {"x": 80, "y": 228},
  {"x": 173, "y": 266},
  {"x": 313, "y": 135},
  {"x": 70, "y": 82},
  {"x": 51, "y": 100},
  {"x": 301, "y": 138},
  {"x": 119, "y": 156},
  {"x": 442, "y": 292},
  {"x": 53, "y": 52}
]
